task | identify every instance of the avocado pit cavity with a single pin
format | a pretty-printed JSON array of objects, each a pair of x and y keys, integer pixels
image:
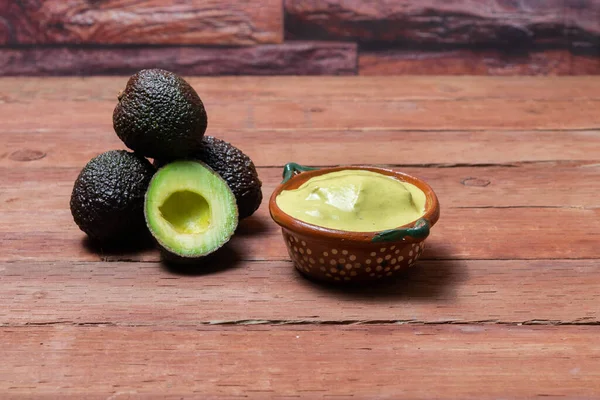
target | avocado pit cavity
[{"x": 187, "y": 212}]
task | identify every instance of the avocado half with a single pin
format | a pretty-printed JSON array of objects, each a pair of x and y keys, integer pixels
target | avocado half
[
  {"x": 159, "y": 115},
  {"x": 190, "y": 210},
  {"x": 235, "y": 167},
  {"x": 107, "y": 200}
]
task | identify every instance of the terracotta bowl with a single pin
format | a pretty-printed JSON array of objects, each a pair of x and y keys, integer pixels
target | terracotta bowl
[{"x": 352, "y": 257}]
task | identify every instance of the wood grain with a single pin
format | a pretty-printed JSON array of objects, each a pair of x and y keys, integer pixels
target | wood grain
[
  {"x": 341, "y": 114},
  {"x": 145, "y": 21},
  {"x": 465, "y": 22},
  {"x": 468, "y": 62},
  {"x": 542, "y": 185},
  {"x": 45, "y": 148},
  {"x": 443, "y": 362},
  {"x": 236, "y": 292},
  {"x": 49, "y": 234},
  {"x": 490, "y": 114},
  {"x": 503, "y": 304},
  {"x": 368, "y": 103},
  {"x": 488, "y": 232},
  {"x": 292, "y": 58},
  {"x": 515, "y": 201},
  {"x": 250, "y": 89}
]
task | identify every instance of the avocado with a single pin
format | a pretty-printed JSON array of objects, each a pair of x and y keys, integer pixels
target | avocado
[
  {"x": 236, "y": 168},
  {"x": 190, "y": 210},
  {"x": 159, "y": 115},
  {"x": 107, "y": 202}
]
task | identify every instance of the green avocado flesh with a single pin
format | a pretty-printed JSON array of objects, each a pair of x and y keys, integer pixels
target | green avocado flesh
[
  {"x": 235, "y": 167},
  {"x": 189, "y": 209}
]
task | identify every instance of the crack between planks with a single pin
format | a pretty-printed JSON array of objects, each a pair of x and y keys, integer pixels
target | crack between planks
[
  {"x": 508, "y": 164},
  {"x": 526, "y": 207},
  {"x": 316, "y": 98},
  {"x": 591, "y": 129},
  {"x": 116, "y": 259},
  {"x": 427, "y": 165},
  {"x": 586, "y": 321},
  {"x": 282, "y": 98},
  {"x": 514, "y": 164}
]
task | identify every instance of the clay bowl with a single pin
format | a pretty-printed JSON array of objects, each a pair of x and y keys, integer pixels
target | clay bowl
[{"x": 352, "y": 257}]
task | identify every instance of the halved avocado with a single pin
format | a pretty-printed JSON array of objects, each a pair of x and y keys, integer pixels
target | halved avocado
[
  {"x": 235, "y": 167},
  {"x": 190, "y": 210}
]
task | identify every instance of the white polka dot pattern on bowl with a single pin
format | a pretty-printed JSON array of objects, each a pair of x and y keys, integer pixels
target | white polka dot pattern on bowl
[{"x": 347, "y": 264}]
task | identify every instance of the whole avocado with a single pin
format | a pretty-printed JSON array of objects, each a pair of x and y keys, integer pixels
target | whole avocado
[
  {"x": 235, "y": 167},
  {"x": 107, "y": 202},
  {"x": 159, "y": 115}
]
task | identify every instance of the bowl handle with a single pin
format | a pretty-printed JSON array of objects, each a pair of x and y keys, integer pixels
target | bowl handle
[
  {"x": 292, "y": 169},
  {"x": 419, "y": 231}
]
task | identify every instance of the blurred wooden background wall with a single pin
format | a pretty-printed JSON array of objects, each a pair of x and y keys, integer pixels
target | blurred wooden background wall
[{"x": 307, "y": 37}]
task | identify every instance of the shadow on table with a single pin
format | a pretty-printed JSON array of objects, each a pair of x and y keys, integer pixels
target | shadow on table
[
  {"x": 226, "y": 258},
  {"x": 121, "y": 251},
  {"x": 252, "y": 225},
  {"x": 434, "y": 278}
]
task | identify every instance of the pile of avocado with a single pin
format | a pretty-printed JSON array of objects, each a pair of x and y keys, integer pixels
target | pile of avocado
[{"x": 193, "y": 194}]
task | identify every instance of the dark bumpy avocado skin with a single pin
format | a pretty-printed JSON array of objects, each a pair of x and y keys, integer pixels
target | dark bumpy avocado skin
[
  {"x": 159, "y": 115},
  {"x": 236, "y": 168},
  {"x": 107, "y": 201}
]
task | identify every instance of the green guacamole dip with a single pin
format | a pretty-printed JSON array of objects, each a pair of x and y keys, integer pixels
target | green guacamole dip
[{"x": 354, "y": 200}]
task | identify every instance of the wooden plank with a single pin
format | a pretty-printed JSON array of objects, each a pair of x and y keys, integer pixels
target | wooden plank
[
  {"x": 442, "y": 362},
  {"x": 462, "y": 233},
  {"x": 250, "y": 89},
  {"x": 229, "y": 22},
  {"x": 466, "y": 22},
  {"x": 547, "y": 203},
  {"x": 307, "y": 113},
  {"x": 50, "y": 148},
  {"x": 141, "y": 293},
  {"x": 338, "y": 111},
  {"x": 490, "y": 114},
  {"x": 468, "y": 62},
  {"x": 294, "y": 58},
  {"x": 520, "y": 198},
  {"x": 574, "y": 185},
  {"x": 150, "y": 328}
]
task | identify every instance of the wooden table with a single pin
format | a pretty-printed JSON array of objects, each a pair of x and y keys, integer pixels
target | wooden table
[{"x": 505, "y": 303}]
